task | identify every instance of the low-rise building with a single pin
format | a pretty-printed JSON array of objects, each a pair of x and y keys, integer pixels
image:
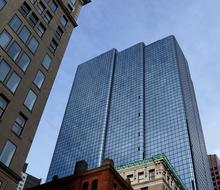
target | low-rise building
[
  {"x": 152, "y": 174},
  {"x": 101, "y": 178}
]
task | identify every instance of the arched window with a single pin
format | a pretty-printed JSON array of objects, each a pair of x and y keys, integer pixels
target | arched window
[
  {"x": 95, "y": 184},
  {"x": 114, "y": 186},
  {"x": 85, "y": 186}
]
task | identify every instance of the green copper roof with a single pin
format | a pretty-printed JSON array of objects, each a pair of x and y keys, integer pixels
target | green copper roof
[{"x": 159, "y": 157}]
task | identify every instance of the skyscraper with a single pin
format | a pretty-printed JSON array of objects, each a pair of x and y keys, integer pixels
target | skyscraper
[
  {"x": 33, "y": 38},
  {"x": 131, "y": 106}
]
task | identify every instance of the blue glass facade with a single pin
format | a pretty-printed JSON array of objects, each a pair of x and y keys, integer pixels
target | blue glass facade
[{"x": 131, "y": 106}]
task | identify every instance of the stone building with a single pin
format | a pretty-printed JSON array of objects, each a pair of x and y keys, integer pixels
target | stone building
[
  {"x": 152, "y": 174},
  {"x": 33, "y": 37}
]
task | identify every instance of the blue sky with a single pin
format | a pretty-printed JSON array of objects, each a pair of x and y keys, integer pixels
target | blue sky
[{"x": 107, "y": 24}]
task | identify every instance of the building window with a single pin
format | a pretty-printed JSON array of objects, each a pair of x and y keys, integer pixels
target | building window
[
  {"x": 40, "y": 7},
  {"x": 130, "y": 177},
  {"x": 40, "y": 29},
  {"x": 47, "y": 17},
  {"x": 13, "y": 82},
  {"x": 2, "y": 4},
  {"x": 19, "y": 124},
  {"x": 70, "y": 8},
  {"x": 53, "y": 46},
  {"x": 33, "y": 44},
  {"x": 30, "y": 100},
  {"x": 47, "y": 61},
  {"x": 63, "y": 21},
  {"x": 7, "y": 153},
  {"x": 94, "y": 184},
  {"x": 33, "y": 19},
  {"x": 39, "y": 79},
  {"x": 53, "y": 6},
  {"x": 3, "y": 104},
  {"x": 152, "y": 174},
  {"x": 15, "y": 23},
  {"x": 5, "y": 38},
  {"x": 14, "y": 51},
  {"x": 85, "y": 186},
  {"x": 25, "y": 9},
  {"x": 24, "y": 61},
  {"x": 59, "y": 32},
  {"x": 4, "y": 70},
  {"x": 140, "y": 175},
  {"x": 24, "y": 34}
]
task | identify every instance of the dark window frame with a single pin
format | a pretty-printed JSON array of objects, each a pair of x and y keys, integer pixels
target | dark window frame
[
  {"x": 10, "y": 39},
  {"x": 53, "y": 46},
  {"x": 25, "y": 9},
  {"x": 6, "y": 76},
  {"x": 4, "y": 3},
  {"x": 13, "y": 153},
  {"x": 18, "y": 125},
  {"x": 32, "y": 107},
  {"x": 2, "y": 110},
  {"x": 39, "y": 87},
  {"x": 15, "y": 16},
  {"x": 13, "y": 72}
]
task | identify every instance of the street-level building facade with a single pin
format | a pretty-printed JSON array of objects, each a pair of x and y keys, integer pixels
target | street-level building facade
[
  {"x": 33, "y": 37},
  {"x": 132, "y": 105}
]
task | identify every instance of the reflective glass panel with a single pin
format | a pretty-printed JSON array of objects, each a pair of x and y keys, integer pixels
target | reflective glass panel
[
  {"x": 24, "y": 61},
  {"x": 14, "y": 51},
  {"x": 15, "y": 23},
  {"x": 30, "y": 100},
  {"x": 7, "y": 153},
  {"x": 33, "y": 44},
  {"x": 4, "y": 39},
  {"x": 24, "y": 34},
  {"x": 4, "y": 70},
  {"x": 13, "y": 82},
  {"x": 47, "y": 61},
  {"x": 39, "y": 79}
]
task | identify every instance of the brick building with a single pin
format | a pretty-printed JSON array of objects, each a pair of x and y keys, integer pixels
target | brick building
[
  {"x": 101, "y": 178},
  {"x": 214, "y": 163}
]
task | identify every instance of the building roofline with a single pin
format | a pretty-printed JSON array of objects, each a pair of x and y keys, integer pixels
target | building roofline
[
  {"x": 159, "y": 157},
  {"x": 71, "y": 177}
]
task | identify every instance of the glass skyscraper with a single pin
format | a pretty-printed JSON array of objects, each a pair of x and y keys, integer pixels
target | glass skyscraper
[{"x": 132, "y": 105}]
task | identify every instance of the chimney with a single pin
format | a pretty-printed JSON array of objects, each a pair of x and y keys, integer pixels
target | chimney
[
  {"x": 55, "y": 178},
  {"x": 81, "y": 167},
  {"x": 108, "y": 161}
]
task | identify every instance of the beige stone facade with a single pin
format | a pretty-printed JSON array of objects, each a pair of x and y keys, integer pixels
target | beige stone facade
[
  {"x": 153, "y": 174},
  {"x": 33, "y": 37}
]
